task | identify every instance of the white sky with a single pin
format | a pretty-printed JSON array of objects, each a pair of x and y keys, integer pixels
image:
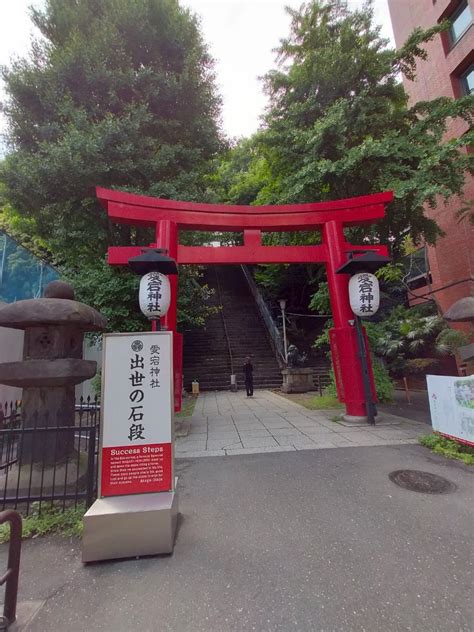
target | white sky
[{"x": 240, "y": 34}]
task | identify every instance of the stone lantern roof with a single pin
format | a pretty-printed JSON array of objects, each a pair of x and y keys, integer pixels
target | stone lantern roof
[{"x": 57, "y": 308}]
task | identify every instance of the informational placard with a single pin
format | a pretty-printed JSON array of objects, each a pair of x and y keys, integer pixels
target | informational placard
[
  {"x": 137, "y": 417},
  {"x": 452, "y": 406}
]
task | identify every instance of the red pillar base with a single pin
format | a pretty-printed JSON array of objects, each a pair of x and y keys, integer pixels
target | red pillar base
[{"x": 347, "y": 371}]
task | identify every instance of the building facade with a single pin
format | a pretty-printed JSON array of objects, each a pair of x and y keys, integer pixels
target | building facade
[{"x": 445, "y": 272}]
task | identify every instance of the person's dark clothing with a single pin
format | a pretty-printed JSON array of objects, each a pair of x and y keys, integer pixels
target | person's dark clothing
[{"x": 248, "y": 373}]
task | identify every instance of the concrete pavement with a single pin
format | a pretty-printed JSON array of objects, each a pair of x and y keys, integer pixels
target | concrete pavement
[
  {"x": 313, "y": 540},
  {"x": 230, "y": 424}
]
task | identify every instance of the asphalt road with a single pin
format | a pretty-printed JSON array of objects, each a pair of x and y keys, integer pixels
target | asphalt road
[
  {"x": 418, "y": 408},
  {"x": 316, "y": 540}
]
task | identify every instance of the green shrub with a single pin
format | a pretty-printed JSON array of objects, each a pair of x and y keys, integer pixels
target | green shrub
[
  {"x": 448, "y": 448},
  {"x": 96, "y": 383},
  {"x": 51, "y": 520},
  {"x": 417, "y": 366},
  {"x": 322, "y": 402},
  {"x": 383, "y": 383}
]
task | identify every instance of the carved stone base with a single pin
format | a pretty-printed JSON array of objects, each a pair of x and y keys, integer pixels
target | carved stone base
[{"x": 297, "y": 380}]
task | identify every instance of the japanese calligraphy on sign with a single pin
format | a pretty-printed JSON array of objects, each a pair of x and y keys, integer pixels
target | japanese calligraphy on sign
[
  {"x": 137, "y": 413},
  {"x": 364, "y": 294}
]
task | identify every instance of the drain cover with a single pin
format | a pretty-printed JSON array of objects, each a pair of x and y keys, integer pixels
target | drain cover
[{"x": 424, "y": 482}]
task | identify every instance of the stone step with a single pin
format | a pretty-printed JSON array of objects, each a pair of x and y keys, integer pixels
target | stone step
[
  {"x": 225, "y": 386},
  {"x": 206, "y": 351}
]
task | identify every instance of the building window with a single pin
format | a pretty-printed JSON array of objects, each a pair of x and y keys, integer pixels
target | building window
[
  {"x": 417, "y": 270},
  {"x": 466, "y": 80},
  {"x": 461, "y": 20}
]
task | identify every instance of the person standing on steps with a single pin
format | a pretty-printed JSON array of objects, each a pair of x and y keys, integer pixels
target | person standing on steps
[{"x": 248, "y": 373}]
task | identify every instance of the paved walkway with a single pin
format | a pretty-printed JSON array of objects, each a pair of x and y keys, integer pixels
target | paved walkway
[{"x": 226, "y": 424}]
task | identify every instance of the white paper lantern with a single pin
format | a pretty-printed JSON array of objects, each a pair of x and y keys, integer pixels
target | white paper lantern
[
  {"x": 364, "y": 294},
  {"x": 154, "y": 294}
]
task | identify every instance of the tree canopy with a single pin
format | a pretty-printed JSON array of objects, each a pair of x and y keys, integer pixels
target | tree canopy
[
  {"x": 338, "y": 125},
  {"x": 121, "y": 93},
  {"x": 116, "y": 93}
]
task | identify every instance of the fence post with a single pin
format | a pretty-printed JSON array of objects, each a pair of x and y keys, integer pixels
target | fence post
[
  {"x": 90, "y": 467},
  {"x": 13, "y": 570}
]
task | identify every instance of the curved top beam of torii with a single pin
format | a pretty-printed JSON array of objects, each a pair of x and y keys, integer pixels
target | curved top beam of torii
[
  {"x": 171, "y": 215},
  {"x": 148, "y": 211}
]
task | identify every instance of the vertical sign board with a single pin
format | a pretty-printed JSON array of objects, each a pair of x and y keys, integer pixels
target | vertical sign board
[
  {"x": 137, "y": 418},
  {"x": 452, "y": 406}
]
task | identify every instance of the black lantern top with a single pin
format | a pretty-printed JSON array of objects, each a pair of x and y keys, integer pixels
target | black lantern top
[
  {"x": 370, "y": 261},
  {"x": 153, "y": 260}
]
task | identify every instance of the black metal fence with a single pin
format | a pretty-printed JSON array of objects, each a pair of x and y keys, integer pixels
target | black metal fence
[
  {"x": 48, "y": 464},
  {"x": 321, "y": 381}
]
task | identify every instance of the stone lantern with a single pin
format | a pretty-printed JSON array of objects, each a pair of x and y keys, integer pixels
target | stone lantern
[{"x": 52, "y": 365}]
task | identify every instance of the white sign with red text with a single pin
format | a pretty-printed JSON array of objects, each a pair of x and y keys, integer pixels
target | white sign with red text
[{"x": 137, "y": 417}]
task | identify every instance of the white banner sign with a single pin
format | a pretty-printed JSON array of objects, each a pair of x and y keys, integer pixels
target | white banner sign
[
  {"x": 452, "y": 406},
  {"x": 137, "y": 401}
]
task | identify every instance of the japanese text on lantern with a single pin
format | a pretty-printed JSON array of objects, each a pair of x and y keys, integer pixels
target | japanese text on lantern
[
  {"x": 153, "y": 289},
  {"x": 366, "y": 287}
]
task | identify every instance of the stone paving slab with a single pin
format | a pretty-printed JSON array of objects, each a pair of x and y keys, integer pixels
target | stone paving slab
[
  {"x": 248, "y": 434},
  {"x": 227, "y": 424}
]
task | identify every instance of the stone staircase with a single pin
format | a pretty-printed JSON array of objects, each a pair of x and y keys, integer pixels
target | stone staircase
[{"x": 207, "y": 357}]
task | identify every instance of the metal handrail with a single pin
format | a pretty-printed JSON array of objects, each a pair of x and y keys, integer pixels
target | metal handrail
[
  {"x": 10, "y": 578},
  {"x": 273, "y": 331},
  {"x": 219, "y": 294}
]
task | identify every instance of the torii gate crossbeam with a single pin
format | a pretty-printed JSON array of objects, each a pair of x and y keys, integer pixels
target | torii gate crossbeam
[{"x": 168, "y": 217}]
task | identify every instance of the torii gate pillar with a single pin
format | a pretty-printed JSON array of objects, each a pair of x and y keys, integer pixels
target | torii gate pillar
[
  {"x": 167, "y": 238},
  {"x": 343, "y": 337}
]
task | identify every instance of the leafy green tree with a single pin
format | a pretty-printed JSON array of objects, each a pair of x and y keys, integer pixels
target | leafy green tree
[
  {"x": 113, "y": 291},
  {"x": 116, "y": 93},
  {"x": 242, "y": 173},
  {"x": 413, "y": 340},
  {"x": 338, "y": 125}
]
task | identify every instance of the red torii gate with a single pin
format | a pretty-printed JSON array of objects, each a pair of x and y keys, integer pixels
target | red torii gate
[{"x": 170, "y": 216}]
